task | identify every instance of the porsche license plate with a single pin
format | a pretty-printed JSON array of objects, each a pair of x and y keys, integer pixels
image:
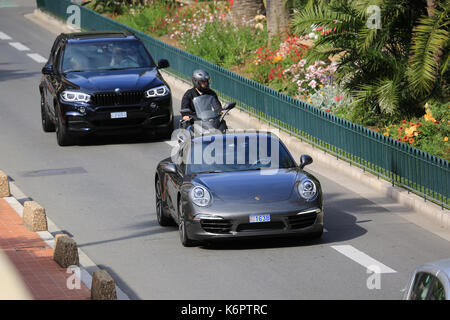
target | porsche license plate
[
  {"x": 118, "y": 115},
  {"x": 260, "y": 218}
]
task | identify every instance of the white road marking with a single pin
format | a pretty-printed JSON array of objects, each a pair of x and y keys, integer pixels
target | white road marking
[
  {"x": 362, "y": 258},
  {"x": 37, "y": 57},
  {"x": 19, "y": 46},
  {"x": 4, "y": 36}
]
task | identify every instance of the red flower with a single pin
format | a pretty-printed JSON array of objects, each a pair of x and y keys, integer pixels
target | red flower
[
  {"x": 404, "y": 121},
  {"x": 436, "y": 122},
  {"x": 411, "y": 140},
  {"x": 405, "y": 138},
  {"x": 328, "y": 110}
]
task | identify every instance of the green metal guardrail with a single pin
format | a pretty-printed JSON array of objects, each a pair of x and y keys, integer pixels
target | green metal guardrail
[{"x": 403, "y": 165}]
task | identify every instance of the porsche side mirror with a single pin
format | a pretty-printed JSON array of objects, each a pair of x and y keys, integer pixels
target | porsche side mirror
[
  {"x": 47, "y": 69},
  {"x": 163, "y": 63},
  {"x": 305, "y": 160},
  {"x": 170, "y": 168}
]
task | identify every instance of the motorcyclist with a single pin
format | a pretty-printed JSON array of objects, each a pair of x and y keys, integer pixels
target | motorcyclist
[{"x": 200, "y": 80}]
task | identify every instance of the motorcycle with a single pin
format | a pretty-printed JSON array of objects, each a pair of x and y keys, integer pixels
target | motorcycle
[{"x": 209, "y": 116}]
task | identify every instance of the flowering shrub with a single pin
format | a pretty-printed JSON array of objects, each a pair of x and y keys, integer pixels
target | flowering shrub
[
  {"x": 329, "y": 98},
  {"x": 189, "y": 22},
  {"x": 427, "y": 133}
]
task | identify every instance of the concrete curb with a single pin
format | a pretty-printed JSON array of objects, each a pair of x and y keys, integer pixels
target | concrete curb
[
  {"x": 49, "y": 23},
  {"x": 85, "y": 262},
  {"x": 238, "y": 119}
]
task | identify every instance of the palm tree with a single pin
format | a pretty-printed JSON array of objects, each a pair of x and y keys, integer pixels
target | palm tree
[
  {"x": 430, "y": 50},
  {"x": 277, "y": 16},
  {"x": 375, "y": 63},
  {"x": 244, "y": 11}
]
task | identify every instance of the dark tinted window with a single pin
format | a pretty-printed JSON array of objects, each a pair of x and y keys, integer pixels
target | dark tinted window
[
  {"x": 238, "y": 153},
  {"x": 437, "y": 291},
  {"x": 104, "y": 55},
  {"x": 423, "y": 285}
]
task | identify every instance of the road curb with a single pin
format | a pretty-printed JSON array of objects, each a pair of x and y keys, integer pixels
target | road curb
[
  {"x": 85, "y": 263},
  {"x": 49, "y": 22}
]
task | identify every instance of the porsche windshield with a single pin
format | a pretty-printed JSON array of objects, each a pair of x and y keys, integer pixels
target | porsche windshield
[
  {"x": 102, "y": 55},
  {"x": 237, "y": 153}
]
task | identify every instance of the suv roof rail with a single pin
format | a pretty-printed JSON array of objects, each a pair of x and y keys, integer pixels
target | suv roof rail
[{"x": 98, "y": 34}]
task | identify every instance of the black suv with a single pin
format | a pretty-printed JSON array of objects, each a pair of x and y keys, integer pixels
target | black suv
[{"x": 98, "y": 82}]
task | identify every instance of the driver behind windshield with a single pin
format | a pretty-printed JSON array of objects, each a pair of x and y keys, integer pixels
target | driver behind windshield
[
  {"x": 200, "y": 80},
  {"x": 120, "y": 59}
]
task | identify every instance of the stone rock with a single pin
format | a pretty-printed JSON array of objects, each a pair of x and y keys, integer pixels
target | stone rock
[
  {"x": 66, "y": 251},
  {"x": 4, "y": 185},
  {"x": 34, "y": 217},
  {"x": 103, "y": 286}
]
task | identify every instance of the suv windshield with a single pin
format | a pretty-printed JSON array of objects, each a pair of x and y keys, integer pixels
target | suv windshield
[
  {"x": 91, "y": 56},
  {"x": 237, "y": 153},
  {"x": 206, "y": 107}
]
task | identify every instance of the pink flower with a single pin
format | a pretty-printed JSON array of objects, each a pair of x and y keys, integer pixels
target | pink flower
[
  {"x": 319, "y": 28},
  {"x": 312, "y": 84},
  {"x": 338, "y": 98}
]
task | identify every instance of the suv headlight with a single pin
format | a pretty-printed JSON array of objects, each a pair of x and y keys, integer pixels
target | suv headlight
[
  {"x": 157, "y": 92},
  {"x": 71, "y": 96},
  {"x": 200, "y": 196},
  {"x": 307, "y": 189}
]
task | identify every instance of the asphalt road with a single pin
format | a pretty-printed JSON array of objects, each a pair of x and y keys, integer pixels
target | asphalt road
[{"x": 105, "y": 199}]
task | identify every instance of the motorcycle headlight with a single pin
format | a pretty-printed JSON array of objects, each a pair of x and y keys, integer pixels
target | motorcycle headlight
[
  {"x": 200, "y": 196},
  {"x": 157, "y": 92},
  {"x": 307, "y": 189},
  {"x": 72, "y": 96}
]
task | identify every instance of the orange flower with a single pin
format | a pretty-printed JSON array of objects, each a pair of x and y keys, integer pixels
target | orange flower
[
  {"x": 446, "y": 139},
  {"x": 411, "y": 140}
]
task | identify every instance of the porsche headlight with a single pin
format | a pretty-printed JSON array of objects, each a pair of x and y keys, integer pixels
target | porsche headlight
[
  {"x": 307, "y": 189},
  {"x": 157, "y": 92},
  {"x": 72, "y": 96},
  {"x": 200, "y": 196}
]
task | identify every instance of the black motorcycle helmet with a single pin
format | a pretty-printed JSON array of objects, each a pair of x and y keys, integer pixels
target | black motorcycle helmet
[{"x": 200, "y": 76}]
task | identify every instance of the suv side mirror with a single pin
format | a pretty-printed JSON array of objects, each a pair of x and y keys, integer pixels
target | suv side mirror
[
  {"x": 305, "y": 160},
  {"x": 170, "y": 168},
  {"x": 163, "y": 63},
  {"x": 47, "y": 69}
]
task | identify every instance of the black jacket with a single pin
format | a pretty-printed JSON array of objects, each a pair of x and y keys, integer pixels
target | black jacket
[{"x": 186, "y": 102}]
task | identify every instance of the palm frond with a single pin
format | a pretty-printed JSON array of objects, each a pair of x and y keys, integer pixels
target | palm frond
[{"x": 430, "y": 37}]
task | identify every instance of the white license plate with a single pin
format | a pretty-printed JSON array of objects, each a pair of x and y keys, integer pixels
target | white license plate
[
  {"x": 118, "y": 115},
  {"x": 260, "y": 218}
]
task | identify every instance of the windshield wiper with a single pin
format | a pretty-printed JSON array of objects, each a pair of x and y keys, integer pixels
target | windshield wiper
[{"x": 74, "y": 71}]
